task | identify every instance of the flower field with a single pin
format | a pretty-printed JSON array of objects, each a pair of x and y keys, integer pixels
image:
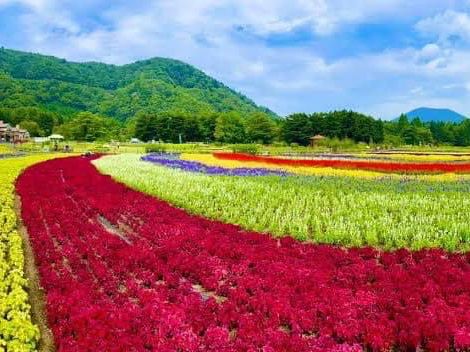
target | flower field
[
  {"x": 5, "y": 149},
  {"x": 381, "y": 166},
  {"x": 211, "y": 160},
  {"x": 348, "y": 211},
  {"x": 17, "y": 332},
  {"x": 123, "y": 271},
  {"x": 173, "y": 161}
]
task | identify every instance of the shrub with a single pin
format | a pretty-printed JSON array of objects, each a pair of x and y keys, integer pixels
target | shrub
[
  {"x": 246, "y": 148},
  {"x": 155, "y": 148}
]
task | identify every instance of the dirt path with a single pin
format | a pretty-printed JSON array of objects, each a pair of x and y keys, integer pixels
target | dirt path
[{"x": 34, "y": 290}]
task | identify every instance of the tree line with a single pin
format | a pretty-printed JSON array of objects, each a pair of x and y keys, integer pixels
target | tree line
[
  {"x": 235, "y": 127},
  {"x": 415, "y": 132},
  {"x": 298, "y": 128}
]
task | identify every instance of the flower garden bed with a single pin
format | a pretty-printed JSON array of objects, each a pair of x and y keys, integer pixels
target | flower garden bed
[
  {"x": 125, "y": 271},
  {"x": 382, "y": 166}
]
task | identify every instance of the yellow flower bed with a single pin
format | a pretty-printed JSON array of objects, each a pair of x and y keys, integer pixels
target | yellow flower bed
[
  {"x": 423, "y": 157},
  {"x": 17, "y": 332},
  {"x": 5, "y": 149},
  {"x": 209, "y": 159}
]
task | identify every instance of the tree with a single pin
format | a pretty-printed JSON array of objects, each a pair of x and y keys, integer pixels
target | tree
[
  {"x": 424, "y": 135},
  {"x": 86, "y": 126},
  {"x": 463, "y": 134},
  {"x": 403, "y": 123},
  {"x": 145, "y": 127},
  {"x": 32, "y": 127},
  {"x": 229, "y": 128},
  {"x": 297, "y": 129},
  {"x": 260, "y": 128},
  {"x": 207, "y": 123}
]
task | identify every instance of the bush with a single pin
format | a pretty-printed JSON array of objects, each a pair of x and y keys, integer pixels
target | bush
[
  {"x": 155, "y": 148},
  {"x": 246, "y": 148}
]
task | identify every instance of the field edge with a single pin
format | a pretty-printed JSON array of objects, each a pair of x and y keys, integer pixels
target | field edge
[{"x": 34, "y": 290}]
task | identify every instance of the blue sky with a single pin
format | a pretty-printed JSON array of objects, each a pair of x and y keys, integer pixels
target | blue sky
[{"x": 381, "y": 57}]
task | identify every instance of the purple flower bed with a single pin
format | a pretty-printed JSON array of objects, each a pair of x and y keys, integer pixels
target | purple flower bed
[{"x": 173, "y": 161}]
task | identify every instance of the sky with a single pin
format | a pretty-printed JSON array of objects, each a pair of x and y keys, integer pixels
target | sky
[{"x": 380, "y": 57}]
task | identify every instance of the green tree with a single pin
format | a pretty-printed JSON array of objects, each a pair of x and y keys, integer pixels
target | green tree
[
  {"x": 229, "y": 128},
  {"x": 32, "y": 127},
  {"x": 403, "y": 123},
  {"x": 86, "y": 126},
  {"x": 145, "y": 126},
  {"x": 297, "y": 129},
  {"x": 260, "y": 128},
  {"x": 207, "y": 124}
]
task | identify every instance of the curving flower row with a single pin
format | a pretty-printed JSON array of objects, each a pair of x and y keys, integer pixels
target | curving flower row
[
  {"x": 17, "y": 331},
  {"x": 211, "y": 160},
  {"x": 353, "y": 212},
  {"x": 381, "y": 166},
  {"x": 173, "y": 161},
  {"x": 126, "y": 272}
]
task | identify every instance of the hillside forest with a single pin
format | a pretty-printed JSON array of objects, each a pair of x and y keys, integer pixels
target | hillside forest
[{"x": 167, "y": 100}]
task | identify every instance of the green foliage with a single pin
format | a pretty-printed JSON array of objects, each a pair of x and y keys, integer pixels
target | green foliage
[
  {"x": 154, "y": 86},
  {"x": 260, "y": 128},
  {"x": 155, "y": 148},
  {"x": 417, "y": 132},
  {"x": 336, "y": 144},
  {"x": 172, "y": 127},
  {"x": 298, "y": 128},
  {"x": 32, "y": 127},
  {"x": 346, "y": 211},
  {"x": 229, "y": 128},
  {"x": 86, "y": 126},
  {"x": 37, "y": 121},
  {"x": 246, "y": 148}
]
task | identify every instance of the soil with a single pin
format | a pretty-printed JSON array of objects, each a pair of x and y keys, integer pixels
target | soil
[{"x": 35, "y": 291}]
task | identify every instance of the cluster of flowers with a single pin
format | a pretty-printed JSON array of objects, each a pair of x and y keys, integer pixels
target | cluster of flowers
[
  {"x": 209, "y": 159},
  {"x": 126, "y": 272},
  {"x": 173, "y": 161},
  {"x": 381, "y": 166},
  {"x": 17, "y": 331}
]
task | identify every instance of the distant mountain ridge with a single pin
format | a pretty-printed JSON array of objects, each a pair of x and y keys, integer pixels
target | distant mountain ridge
[
  {"x": 153, "y": 85},
  {"x": 436, "y": 115}
]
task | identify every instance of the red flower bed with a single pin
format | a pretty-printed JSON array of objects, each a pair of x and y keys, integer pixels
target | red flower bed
[
  {"x": 353, "y": 164},
  {"x": 123, "y": 271}
]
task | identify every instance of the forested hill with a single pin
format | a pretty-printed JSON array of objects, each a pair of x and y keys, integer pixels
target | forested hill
[{"x": 153, "y": 85}]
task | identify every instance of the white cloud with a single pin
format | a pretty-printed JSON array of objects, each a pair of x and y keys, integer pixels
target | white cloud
[
  {"x": 286, "y": 79},
  {"x": 446, "y": 25}
]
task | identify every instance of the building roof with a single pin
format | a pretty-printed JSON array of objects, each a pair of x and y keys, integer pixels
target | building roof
[
  {"x": 56, "y": 136},
  {"x": 318, "y": 137},
  {"x": 4, "y": 125}
]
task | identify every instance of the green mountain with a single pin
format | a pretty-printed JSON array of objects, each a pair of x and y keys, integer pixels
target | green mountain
[{"x": 153, "y": 85}]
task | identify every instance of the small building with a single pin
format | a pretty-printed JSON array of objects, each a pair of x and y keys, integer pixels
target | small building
[
  {"x": 10, "y": 134},
  {"x": 315, "y": 139}
]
